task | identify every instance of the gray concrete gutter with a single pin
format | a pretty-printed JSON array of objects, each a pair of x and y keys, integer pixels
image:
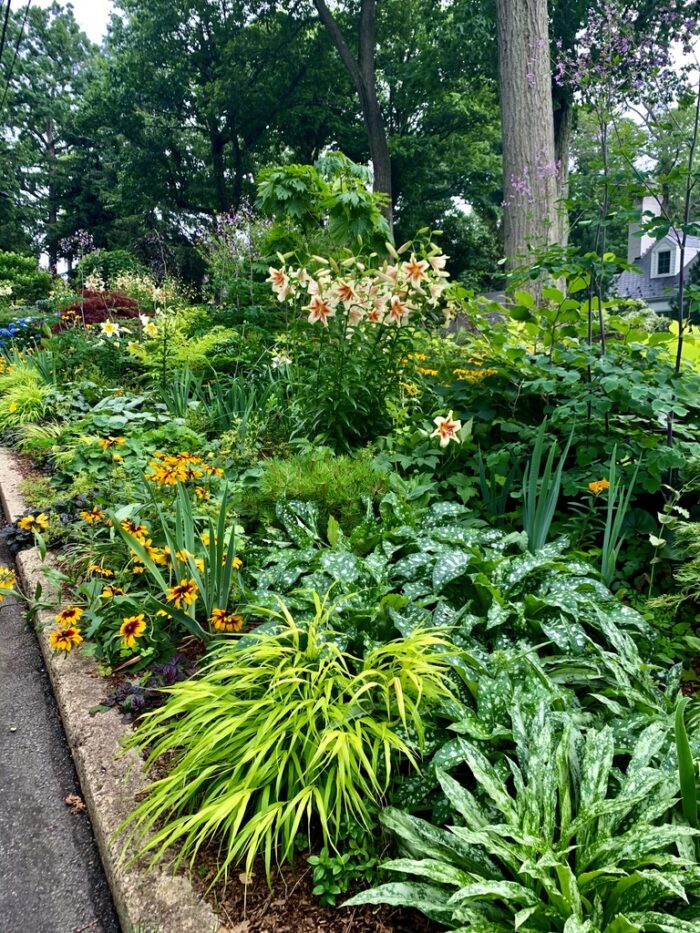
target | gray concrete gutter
[{"x": 147, "y": 901}]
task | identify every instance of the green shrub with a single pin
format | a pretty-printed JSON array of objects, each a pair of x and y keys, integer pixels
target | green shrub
[
  {"x": 282, "y": 731},
  {"x": 37, "y": 491},
  {"x": 29, "y": 283},
  {"x": 108, "y": 264},
  {"x": 337, "y": 485},
  {"x": 559, "y": 841}
]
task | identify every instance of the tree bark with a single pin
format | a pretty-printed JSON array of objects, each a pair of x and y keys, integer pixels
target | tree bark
[
  {"x": 530, "y": 170},
  {"x": 563, "y": 125},
  {"x": 362, "y": 72}
]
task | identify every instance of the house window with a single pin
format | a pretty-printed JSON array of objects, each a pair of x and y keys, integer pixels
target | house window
[{"x": 663, "y": 262}]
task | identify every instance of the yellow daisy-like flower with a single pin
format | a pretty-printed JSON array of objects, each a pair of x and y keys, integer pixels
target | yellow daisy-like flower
[
  {"x": 426, "y": 372},
  {"x": 65, "y": 639},
  {"x": 132, "y": 628},
  {"x": 138, "y": 531},
  {"x": 224, "y": 621},
  {"x": 93, "y": 517},
  {"x": 34, "y": 523},
  {"x": 202, "y": 493},
  {"x": 183, "y": 593},
  {"x": 236, "y": 563},
  {"x": 599, "y": 486},
  {"x": 110, "y": 441},
  {"x": 138, "y": 567},
  {"x": 100, "y": 570},
  {"x": 162, "y": 614},
  {"x": 110, "y": 591},
  {"x": 8, "y": 580},
  {"x": 69, "y": 615},
  {"x": 118, "y": 458},
  {"x": 12, "y": 407},
  {"x": 410, "y": 388}
]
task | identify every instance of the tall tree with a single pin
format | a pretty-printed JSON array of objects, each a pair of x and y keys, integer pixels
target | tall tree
[
  {"x": 531, "y": 196},
  {"x": 48, "y": 81},
  {"x": 361, "y": 68}
]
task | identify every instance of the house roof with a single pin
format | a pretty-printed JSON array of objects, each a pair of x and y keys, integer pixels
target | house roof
[{"x": 631, "y": 284}]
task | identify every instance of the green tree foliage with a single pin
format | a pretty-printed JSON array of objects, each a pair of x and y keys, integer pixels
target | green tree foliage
[{"x": 49, "y": 79}]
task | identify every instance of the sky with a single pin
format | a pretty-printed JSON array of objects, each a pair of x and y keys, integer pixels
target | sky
[{"x": 92, "y": 15}]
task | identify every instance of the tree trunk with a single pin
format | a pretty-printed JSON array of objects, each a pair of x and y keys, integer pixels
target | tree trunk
[
  {"x": 362, "y": 72},
  {"x": 563, "y": 124},
  {"x": 530, "y": 170}
]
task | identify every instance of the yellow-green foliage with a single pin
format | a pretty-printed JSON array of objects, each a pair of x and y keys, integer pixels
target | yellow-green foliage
[
  {"x": 23, "y": 398},
  {"x": 37, "y": 491},
  {"x": 282, "y": 732},
  {"x": 336, "y": 484}
]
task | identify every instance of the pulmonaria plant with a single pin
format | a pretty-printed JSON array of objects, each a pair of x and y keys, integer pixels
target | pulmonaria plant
[{"x": 353, "y": 325}]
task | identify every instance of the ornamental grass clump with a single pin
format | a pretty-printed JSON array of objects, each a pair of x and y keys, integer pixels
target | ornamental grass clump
[{"x": 283, "y": 734}]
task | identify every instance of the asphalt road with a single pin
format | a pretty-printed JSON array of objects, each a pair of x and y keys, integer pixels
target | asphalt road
[{"x": 51, "y": 878}]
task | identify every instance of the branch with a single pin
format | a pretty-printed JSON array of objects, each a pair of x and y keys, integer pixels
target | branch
[{"x": 341, "y": 45}]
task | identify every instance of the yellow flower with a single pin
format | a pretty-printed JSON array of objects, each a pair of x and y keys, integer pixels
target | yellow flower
[
  {"x": 68, "y": 615},
  {"x": 598, "y": 486},
  {"x": 34, "y": 523},
  {"x": 100, "y": 570},
  {"x": 183, "y": 593},
  {"x": 224, "y": 621},
  {"x": 12, "y": 407},
  {"x": 202, "y": 493},
  {"x": 110, "y": 441},
  {"x": 110, "y": 591},
  {"x": 65, "y": 639},
  {"x": 118, "y": 458},
  {"x": 138, "y": 531},
  {"x": 426, "y": 372},
  {"x": 7, "y": 579},
  {"x": 132, "y": 628},
  {"x": 162, "y": 614},
  {"x": 410, "y": 388},
  {"x": 93, "y": 517},
  {"x": 236, "y": 563}
]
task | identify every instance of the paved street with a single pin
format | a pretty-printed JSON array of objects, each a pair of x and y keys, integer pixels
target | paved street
[{"x": 51, "y": 878}]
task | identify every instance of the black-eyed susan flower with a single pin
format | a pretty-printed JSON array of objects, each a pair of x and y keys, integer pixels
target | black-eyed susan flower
[
  {"x": 100, "y": 570},
  {"x": 94, "y": 516},
  {"x": 131, "y": 629},
  {"x": 107, "y": 442},
  {"x": 8, "y": 581},
  {"x": 65, "y": 639},
  {"x": 183, "y": 593},
  {"x": 69, "y": 615},
  {"x": 34, "y": 523},
  {"x": 110, "y": 591},
  {"x": 135, "y": 529},
  {"x": 224, "y": 621},
  {"x": 599, "y": 486}
]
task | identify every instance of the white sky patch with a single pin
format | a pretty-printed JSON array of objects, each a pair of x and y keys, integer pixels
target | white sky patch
[{"x": 92, "y": 15}]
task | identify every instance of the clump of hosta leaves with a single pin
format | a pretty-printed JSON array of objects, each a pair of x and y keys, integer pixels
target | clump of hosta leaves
[
  {"x": 285, "y": 730},
  {"x": 569, "y": 837}
]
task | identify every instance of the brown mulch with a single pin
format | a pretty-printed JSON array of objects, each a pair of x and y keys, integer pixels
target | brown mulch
[{"x": 290, "y": 907}]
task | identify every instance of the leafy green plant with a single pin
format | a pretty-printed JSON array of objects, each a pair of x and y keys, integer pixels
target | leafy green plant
[
  {"x": 541, "y": 494},
  {"x": 283, "y": 731},
  {"x": 214, "y": 577},
  {"x": 619, "y": 499},
  {"x": 559, "y": 840},
  {"x": 339, "y": 486},
  {"x": 334, "y": 873},
  {"x": 28, "y": 282}
]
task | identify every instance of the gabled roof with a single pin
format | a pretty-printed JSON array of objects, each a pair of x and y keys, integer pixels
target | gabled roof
[{"x": 640, "y": 284}]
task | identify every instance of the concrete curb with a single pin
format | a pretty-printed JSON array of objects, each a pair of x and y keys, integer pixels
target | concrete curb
[{"x": 155, "y": 901}]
